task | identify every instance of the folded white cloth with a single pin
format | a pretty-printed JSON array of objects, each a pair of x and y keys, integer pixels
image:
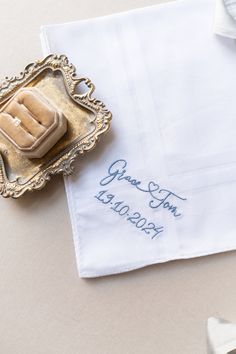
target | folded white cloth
[
  {"x": 231, "y": 7},
  {"x": 225, "y": 18},
  {"x": 221, "y": 336},
  {"x": 162, "y": 184}
]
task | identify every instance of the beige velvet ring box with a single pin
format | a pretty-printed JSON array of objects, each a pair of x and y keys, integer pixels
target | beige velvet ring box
[{"x": 32, "y": 123}]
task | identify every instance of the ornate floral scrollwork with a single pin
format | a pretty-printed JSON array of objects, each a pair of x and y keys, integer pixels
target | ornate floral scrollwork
[{"x": 63, "y": 163}]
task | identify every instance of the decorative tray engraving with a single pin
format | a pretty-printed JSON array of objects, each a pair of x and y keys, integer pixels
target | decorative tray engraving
[{"x": 87, "y": 118}]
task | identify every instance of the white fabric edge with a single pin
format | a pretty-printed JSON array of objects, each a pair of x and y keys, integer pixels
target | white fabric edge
[
  {"x": 155, "y": 261},
  {"x": 223, "y": 33},
  {"x": 46, "y": 51},
  {"x": 119, "y": 13}
]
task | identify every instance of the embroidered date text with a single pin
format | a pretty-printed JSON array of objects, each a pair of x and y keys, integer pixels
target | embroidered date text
[{"x": 134, "y": 218}]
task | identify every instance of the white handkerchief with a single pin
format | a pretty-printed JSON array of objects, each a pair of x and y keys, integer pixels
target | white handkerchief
[
  {"x": 221, "y": 336},
  {"x": 162, "y": 184},
  {"x": 225, "y": 24}
]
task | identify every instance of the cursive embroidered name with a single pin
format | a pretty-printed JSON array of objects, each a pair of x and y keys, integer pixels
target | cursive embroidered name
[{"x": 160, "y": 197}]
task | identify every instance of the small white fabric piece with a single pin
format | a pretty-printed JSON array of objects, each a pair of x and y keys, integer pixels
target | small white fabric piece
[
  {"x": 221, "y": 336},
  {"x": 231, "y": 7},
  {"x": 161, "y": 185},
  {"x": 225, "y": 23}
]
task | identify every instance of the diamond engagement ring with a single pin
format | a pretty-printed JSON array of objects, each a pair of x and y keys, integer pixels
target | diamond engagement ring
[{"x": 17, "y": 121}]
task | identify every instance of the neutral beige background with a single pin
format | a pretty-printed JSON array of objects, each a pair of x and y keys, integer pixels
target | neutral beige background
[{"x": 44, "y": 307}]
